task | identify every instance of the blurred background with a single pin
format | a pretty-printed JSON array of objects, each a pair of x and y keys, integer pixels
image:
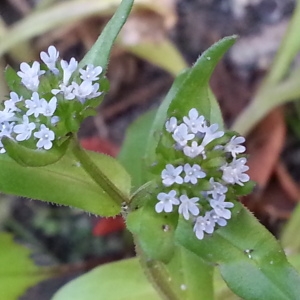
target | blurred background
[{"x": 161, "y": 38}]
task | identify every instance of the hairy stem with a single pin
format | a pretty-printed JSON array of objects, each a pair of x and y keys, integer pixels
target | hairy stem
[
  {"x": 96, "y": 174},
  {"x": 157, "y": 275}
]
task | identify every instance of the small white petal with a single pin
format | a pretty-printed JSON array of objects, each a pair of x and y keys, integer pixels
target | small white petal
[
  {"x": 24, "y": 130},
  {"x": 68, "y": 69},
  {"x": 66, "y": 90},
  {"x": 181, "y": 135},
  {"x": 50, "y": 59},
  {"x": 194, "y": 150},
  {"x": 34, "y": 105},
  {"x": 45, "y": 136},
  {"x": 171, "y": 124},
  {"x": 233, "y": 172},
  {"x": 166, "y": 202},
  {"x": 211, "y": 133},
  {"x": 171, "y": 175},
  {"x": 91, "y": 73},
  {"x": 220, "y": 207},
  {"x": 204, "y": 224},
  {"x": 30, "y": 75},
  {"x": 48, "y": 108},
  {"x": 217, "y": 188},
  {"x": 217, "y": 219},
  {"x": 195, "y": 122},
  {"x": 83, "y": 91},
  {"x": 193, "y": 173},
  {"x": 234, "y": 147},
  {"x": 188, "y": 206}
]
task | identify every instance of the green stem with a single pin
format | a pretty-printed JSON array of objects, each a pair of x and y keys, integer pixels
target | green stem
[
  {"x": 273, "y": 92},
  {"x": 267, "y": 98},
  {"x": 96, "y": 174},
  {"x": 290, "y": 239},
  {"x": 156, "y": 274},
  {"x": 287, "y": 51}
]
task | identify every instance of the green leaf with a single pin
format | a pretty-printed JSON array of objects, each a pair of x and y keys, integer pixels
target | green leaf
[
  {"x": 222, "y": 291},
  {"x": 134, "y": 148},
  {"x": 179, "y": 273},
  {"x": 289, "y": 237},
  {"x": 100, "y": 52},
  {"x": 295, "y": 261},
  {"x": 192, "y": 278},
  {"x": 17, "y": 272},
  {"x": 154, "y": 232},
  {"x": 248, "y": 256},
  {"x": 163, "y": 54},
  {"x": 194, "y": 90},
  {"x": 190, "y": 89},
  {"x": 184, "y": 277},
  {"x": 65, "y": 183},
  {"x": 33, "y": 158},
  {"x": 160, "y": 119},
  {"x": 123, "y": 280},
  {"x": 12, "y": 78}
]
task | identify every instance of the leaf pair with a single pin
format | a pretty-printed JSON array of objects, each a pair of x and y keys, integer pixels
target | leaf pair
[
  {"x": 249, "y": 258},
  {"x": 56, "y": 175}
]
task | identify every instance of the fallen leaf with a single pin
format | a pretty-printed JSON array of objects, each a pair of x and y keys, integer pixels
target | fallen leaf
[
  {"x": 264, "y": 145},
  {"x": 100, "y": 145},
  {"x": 107, "y": 226}
]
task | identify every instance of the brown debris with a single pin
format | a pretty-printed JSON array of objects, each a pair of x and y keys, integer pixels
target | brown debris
[{"x": 264, "y": 145}]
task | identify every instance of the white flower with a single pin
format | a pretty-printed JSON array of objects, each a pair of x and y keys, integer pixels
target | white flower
[
  {"x": 67, "y": 91},
  {"x": 193, "y": 173},
  {"x": 195, "y": 122},
  {"x": 95, "y": 93},
  {"x": 54, "y": 120},
  {"x": 34, "y": 105},
  {"x": 233, "y": 146},
  {"x": 194, "y": 150},
  {"x": 219, "y": 205},
  {"x": 30, "y": 71},
  {"x": 24, "y": 130},
  {"x": 45, "y": 136},
  {"x": 217, "y": 219},
  {"x": 188, "y": 206},
  {"x": 91, "y": 73},
  {"x": 166, "y": 202},
  {"x": 233, "y": 172},
  {"x": 171, "y": 174},
  {"x": 211, "y": 134},
  {"x": 50, "y": 59},
  {"x": 14, "y": 97},
  {"x": 10, "y": 104},
  {"x": 83, "y": 91},
  {"x": 7, "y": 115},
  {"x": 30, "y": 75},
  {"x": 48, "y": 108},
  {"x": 171, "y": 124},
  {"x": 204, "y": 224},
  {"x": 31, "y": 83},
  {"x": 68, "y": 69},
  {"x": 217, "y": 188},
  {"x": 2, "y": 149},
  {"x": 6, "y": 129},
  {"x": 181, "y": 135}
]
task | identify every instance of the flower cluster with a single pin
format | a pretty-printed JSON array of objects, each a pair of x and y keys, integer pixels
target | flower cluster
[
  {"x": 209, "y": 166},
  {"x": 47, "y": 92}
]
